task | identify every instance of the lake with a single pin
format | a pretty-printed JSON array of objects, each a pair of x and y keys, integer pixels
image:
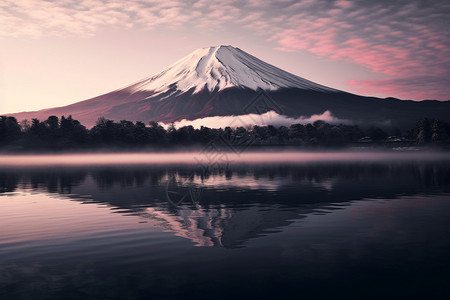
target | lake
[{"x": 331, "y": 225}]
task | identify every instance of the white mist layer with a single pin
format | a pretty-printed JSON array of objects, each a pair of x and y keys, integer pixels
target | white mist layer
[
  {"x": 193, "y": 158},
  {"x": 217, "y": 68},
  {"x": 268, "y": 118}
]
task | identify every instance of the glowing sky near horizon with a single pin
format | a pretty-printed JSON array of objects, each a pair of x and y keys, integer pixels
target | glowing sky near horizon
[{"x": 54, "y": 53}]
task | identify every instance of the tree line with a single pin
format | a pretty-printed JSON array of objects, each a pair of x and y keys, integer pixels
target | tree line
[{"x": 66, "y": 133}]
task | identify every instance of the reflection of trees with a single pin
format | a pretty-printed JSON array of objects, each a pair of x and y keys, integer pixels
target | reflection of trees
[
  {"x": 53, "y": 181},
  {"x": 238, "y": 203},
  {"x": 419, "y": 176},
  {"x": 8, "y": 181},
  {"x": 125, "y": 177},
  {"x": 433, "y": 175}
]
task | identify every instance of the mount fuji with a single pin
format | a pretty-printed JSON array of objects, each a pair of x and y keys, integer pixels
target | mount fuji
[{"x": 226, "y": 81}]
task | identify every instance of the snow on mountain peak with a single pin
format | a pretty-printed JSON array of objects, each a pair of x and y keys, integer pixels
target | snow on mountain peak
[{"x": 220, "y": 67}]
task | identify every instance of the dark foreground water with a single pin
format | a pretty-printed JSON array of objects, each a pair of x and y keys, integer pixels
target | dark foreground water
[{"x": 305, "y": 230}]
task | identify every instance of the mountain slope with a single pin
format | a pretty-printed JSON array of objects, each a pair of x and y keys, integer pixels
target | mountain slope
[
  {"x": 222, "y": 81},
  {"x": 218, "y": 68}
]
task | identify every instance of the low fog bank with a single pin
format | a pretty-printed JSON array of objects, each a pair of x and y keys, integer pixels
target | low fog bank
[
  {"x": 217, "y": 159},
  {"x": 265, "y": 119}
]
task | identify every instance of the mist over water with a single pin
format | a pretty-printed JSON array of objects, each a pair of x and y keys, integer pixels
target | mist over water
[
  {"x": 212, "y": 157},
  {"x": 357, "y": 225}
]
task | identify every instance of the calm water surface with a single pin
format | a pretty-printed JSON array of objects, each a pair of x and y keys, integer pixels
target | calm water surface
[{"x": 306, "y": 228}]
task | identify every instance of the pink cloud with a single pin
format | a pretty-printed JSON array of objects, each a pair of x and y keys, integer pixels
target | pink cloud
[
  {"x": 381, "y": 58},
  {"x": 382, "y": 41},
  {"x": 343, "y": 3},
  {"x": 413, "y": 88}
]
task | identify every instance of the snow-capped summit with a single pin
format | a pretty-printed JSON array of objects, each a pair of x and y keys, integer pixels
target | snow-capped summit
[{"x": 220, "y": 67}]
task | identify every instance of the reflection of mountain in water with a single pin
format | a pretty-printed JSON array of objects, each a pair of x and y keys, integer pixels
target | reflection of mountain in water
[
  {"x": 237, "y": 204},
  {"x": 220, "y": 226}
]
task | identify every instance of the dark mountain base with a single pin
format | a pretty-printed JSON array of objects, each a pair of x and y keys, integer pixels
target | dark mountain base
[{"x": 292, "y": 102}]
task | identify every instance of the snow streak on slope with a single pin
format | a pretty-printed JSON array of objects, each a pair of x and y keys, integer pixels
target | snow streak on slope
[{"x": 217, "y": 68}]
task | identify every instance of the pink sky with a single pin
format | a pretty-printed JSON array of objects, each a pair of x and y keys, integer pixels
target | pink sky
[{"x": 60, "y": 52}]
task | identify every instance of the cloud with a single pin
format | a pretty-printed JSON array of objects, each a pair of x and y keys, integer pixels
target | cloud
[
  {"x": 391, "y": 38},
  {"x": 422, "y": 87},
  {"x": 84, "y": 18},
  {"x": 395, "y": 39},
  {"x": 268, "y": 118}
]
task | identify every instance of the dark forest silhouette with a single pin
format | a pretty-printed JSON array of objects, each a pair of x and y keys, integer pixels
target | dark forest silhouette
[{"x": 66, "y": 133}]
